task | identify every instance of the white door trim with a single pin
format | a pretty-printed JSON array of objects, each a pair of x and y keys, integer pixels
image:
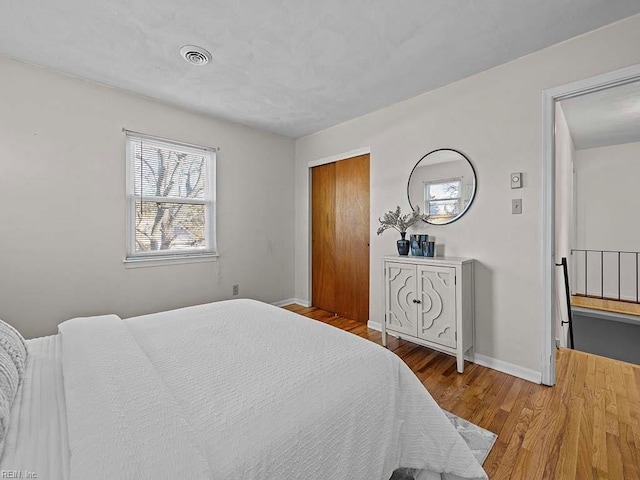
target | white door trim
[
  {"x": 340, "y": 156},
  {"x": 549, "y": 97}
]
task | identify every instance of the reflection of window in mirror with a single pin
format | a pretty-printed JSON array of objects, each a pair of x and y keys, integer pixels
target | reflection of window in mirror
[
  {"x": 443, "y": 199},
  {"x": 442, "y": 184}
]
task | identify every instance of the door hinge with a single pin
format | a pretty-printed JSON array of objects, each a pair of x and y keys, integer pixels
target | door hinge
[
  {"x": 455, "y": 279},
  {"x": 456, "y": 335}
]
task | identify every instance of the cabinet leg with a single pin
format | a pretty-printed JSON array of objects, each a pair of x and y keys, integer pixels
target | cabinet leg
[
  {"x": 384, "y": 339},
  {"x": 460, "y": 363}
]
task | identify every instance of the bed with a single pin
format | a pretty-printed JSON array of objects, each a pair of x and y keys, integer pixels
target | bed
[{"x": 231, "y": 390}]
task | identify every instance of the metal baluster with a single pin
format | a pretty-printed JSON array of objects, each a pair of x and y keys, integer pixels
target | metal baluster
[
  {"x": 573, "y": 269},
  {"x": 618, "y": 275},
  {"x": 601, "y": 274},
  {"x": 586, "y": 290}
]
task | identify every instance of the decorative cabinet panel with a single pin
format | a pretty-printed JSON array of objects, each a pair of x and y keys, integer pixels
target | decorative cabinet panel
[
  {"x": 437, "y": 306},
  {"x": 429, "y": 301},
  {"x": 402, "y": 292}
]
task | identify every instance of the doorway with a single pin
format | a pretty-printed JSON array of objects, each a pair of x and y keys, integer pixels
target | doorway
[
  {"x": 340, "y": 237},
  {"x": 560, "y": 230}
]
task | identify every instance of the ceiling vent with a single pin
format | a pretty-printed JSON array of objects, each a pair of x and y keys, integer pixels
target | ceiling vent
[{"x": 195, "y": 55}]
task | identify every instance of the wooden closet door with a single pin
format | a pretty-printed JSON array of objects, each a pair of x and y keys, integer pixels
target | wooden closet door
[
  {"x": 352, "y": 238},
  {"x": 323, "y": 233},
  {"x": 340, "y": 237}
]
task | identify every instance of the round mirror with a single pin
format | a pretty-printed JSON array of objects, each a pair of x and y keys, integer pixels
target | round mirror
[{"x": 442, "y": 184}]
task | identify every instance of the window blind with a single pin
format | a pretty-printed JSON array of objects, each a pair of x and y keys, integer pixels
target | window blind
[{"x": 171, "y": 197}]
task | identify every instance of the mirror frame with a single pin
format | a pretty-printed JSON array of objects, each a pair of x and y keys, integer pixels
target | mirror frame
[{"x": 473, "y": 193}]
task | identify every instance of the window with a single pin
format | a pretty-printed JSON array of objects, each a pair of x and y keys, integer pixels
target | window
[
  {"x": 443, "y": 199},
  {"x": 170, "y": 201}
]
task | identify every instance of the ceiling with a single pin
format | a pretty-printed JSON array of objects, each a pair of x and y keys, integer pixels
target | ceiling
[
  {"x": 291, "y": 67},
  {"x": 607, "y": 117}
]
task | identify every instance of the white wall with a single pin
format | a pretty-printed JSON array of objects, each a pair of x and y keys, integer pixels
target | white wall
[
  {"x": 564, "y": 156},
  {"x": 607, "y": 206},
  {"x": 495, "y": 119},
  {"x": 607, "y": 184},
  {"x": 62, "y": 198}
]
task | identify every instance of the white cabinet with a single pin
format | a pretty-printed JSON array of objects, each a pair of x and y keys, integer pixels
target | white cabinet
[{"x": 429, "y": 301}]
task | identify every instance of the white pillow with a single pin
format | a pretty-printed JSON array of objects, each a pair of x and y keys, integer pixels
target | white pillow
[{"x": 13, "y": 358}]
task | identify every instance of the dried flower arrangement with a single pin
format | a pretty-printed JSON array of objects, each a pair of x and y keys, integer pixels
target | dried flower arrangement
[{"x": 395, "y": 219}]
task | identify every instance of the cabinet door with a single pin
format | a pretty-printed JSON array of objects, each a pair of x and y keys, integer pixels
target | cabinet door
[
  {"x": 437, "y": 307},
  {"x": 401, "y": 308}
]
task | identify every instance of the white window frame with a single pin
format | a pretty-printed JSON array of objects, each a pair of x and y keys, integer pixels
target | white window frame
[
  {"x": 165, "y": 257},
  {"x": 428, "y": 200}
]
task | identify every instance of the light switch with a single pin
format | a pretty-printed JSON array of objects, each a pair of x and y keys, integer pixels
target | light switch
[
  {"x": 516, "y": 180},
  {"x": 516, "y": 206}
]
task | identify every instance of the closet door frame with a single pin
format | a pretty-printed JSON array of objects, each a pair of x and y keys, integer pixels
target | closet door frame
[{"x": 316, "y": 163}]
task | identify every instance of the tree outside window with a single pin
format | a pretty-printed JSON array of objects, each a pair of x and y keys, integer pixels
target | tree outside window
[
  {"x": 443, "y": 199},
  {"x": 170, "y": 197}
]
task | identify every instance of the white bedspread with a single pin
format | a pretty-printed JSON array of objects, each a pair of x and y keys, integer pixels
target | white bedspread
[{"x": 242, "y": 390}]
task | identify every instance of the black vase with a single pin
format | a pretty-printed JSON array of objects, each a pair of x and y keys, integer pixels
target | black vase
[{"x": 403, "y": 245}]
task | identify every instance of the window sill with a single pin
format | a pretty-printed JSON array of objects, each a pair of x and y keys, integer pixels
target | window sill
[{"x": 156, "y": 261}]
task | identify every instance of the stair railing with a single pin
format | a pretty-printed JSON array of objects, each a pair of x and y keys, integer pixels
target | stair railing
[{"x": 567, "y": 291}]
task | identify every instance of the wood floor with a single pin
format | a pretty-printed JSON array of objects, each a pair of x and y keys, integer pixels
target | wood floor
[
  {"x": 587, "y": 426},
  {"x": 605, "y": 304}
]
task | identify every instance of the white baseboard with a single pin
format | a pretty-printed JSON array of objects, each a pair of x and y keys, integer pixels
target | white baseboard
[
  {"x": 289, "y": 301},
  {"x": 508, "y": 368},
  {"x": 374, "y": 325},
  {"x": 493, "y": 363}
]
